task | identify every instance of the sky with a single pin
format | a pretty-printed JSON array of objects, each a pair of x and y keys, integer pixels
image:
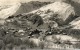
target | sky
[
  {"x": 3, "y": 2},
  {"x": 15, "y": 1}
]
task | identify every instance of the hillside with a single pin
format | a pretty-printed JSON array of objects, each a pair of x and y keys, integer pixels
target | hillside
[
  {"x": 63, "y": 12},
  {"x": 30, "y": 6},
  {"x": 5, "y": 13},
  {"x": 20, "y": 8},
  {"x": 74, "y": 3},
  {"x": 40, "y": 25}
]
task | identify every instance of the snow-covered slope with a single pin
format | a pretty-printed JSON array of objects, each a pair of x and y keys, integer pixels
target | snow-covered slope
[
  {"x": 64, "y": 11},
  {"x": 5, "y": 13}
]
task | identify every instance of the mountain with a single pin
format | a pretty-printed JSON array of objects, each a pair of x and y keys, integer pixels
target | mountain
[
  {"x": 37, "y": 24},
  {"x": 20, "y": 8},
  {"x": 30, "y": 6},
  {"x": 75, "y": 23},
  {"x": 5, "y": 13},
  {"x": 60, "y": 12},
  {"x": 75, "y": 4}
]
